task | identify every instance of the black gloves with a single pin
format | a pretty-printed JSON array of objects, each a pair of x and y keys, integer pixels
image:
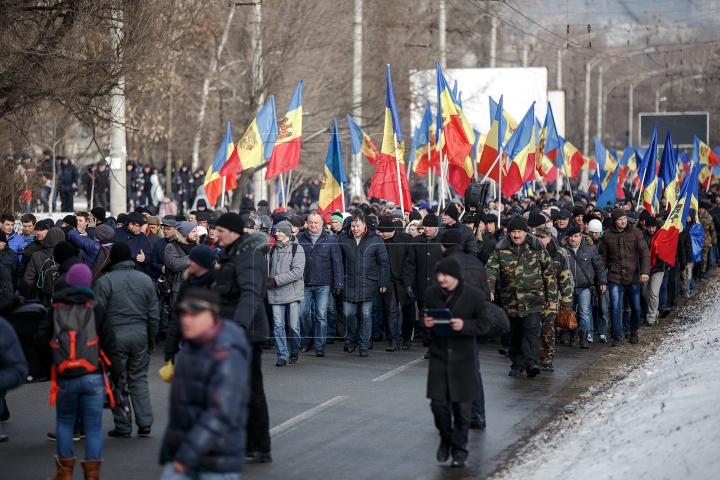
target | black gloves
[
  {"x": 409, "y": 292},
  {"x": 170, "y": 357}
]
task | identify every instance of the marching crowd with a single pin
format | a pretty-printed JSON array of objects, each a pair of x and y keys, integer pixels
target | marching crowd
[{"x": 216, "y": 288}]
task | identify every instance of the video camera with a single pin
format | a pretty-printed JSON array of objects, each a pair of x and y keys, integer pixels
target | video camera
[{"x": 476, "y": 200}]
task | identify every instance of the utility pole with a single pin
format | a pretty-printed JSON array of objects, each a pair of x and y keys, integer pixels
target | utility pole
[
  {"x": 118, "y": 147},
  {"x": 171, "y": 107},
  {"x": 630, "y": 112},
  {"x": 443, "y": 30},
  {"x": 586, "y": 123},
  {"x": 493, "y": 41},
  {"x": 600, "y": 104},
  {"x": 525, "y": 54},
  {"x": 357, "y": 177},
  {"x": 558, "y": 78},
  {"x": 259, "y": 184}
]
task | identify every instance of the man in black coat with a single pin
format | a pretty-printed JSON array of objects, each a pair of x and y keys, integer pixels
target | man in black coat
[
  {"x": 424, "y": 252},
  {"x": 450, "y": 219},
  {"x": 396, "y": 244},
  {"x": 452, "y": 382},
  {"x": 13, "y": 367},
  {"x": 242, "y": 286}
]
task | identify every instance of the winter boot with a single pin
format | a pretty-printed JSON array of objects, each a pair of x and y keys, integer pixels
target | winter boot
[
  {"x": 91, "y": 469},
  {"x": 584, "y": 339},
  {"x": 574, "y": 339},
  {"x": 563, "y": 338},
  {"x": 65, "y": 467}
]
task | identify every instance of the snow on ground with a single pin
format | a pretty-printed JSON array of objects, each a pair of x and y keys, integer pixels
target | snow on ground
[{"x": 662, "y": 421}]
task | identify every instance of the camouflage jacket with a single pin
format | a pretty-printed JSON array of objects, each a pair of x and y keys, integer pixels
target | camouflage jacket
[
  {"x": 709, "y": 225},
  {"x": 525, "y": 276},
  {"x": 560, "y": 268}
]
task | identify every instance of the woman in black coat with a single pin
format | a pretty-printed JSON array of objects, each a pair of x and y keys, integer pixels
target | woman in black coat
[{"x": 452, "y": 376}]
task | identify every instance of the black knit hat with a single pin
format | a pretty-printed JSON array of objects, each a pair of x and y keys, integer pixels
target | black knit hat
[
  {"x": 232, "y": 222},
  {"x": 536, "y": 219},
  {"x": 517, "y": 223},
  {"x": 99, "y": 213},
  {"x": 120, "y": 252},
  {"x": 651, "y": 222},
  {"x": 452, "y": 211},
  {"x": 451, "y": 237},
  {"x": 449, "y": 266},
  {"x": 70, "y": 220},
  {"x": 386, "y": 225},
  {"x": 62, "y": 252},
  {"x": 415, "y": 215},
  {"x": 431, "y": 220},
  {"x": 578, "y": 211}
]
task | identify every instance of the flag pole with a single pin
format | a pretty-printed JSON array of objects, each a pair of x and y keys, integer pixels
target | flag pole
[
  {"x": 289, "y": 185},
  {"x": 568, "y": 179},
  {"x": 399, "y": 180},
  {"x": 431, "y": 192},
  {"x": 497, "y": 159},
  {"x": 500, "y": 174},
  {"x": 282, "y": 191},
  {"x": 222, "y": 197}
]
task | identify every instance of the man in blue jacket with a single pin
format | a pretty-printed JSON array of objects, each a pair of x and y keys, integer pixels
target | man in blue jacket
[
  {"x": 323, "y": 272},
  {"x": 210, "y": 393},
  {"x": 131, "y": 233},
  {"x": 15, "y": 241},
  {"x": 367, "y": 274}
]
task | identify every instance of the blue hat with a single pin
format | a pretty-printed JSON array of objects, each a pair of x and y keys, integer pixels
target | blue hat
[{"x": 203, "y": 256}]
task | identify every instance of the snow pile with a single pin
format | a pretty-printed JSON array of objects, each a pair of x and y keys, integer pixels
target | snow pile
[{"x": 660, "y": 422}]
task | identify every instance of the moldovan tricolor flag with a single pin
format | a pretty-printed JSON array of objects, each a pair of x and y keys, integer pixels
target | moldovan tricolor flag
[
  {"x": 455, "y": 132},
  {"x": 333, "y": 180},
  {"x": 648, "y": 173},
  {"x": 664, "y": 243},
  {"x": 426, "y": 155},
  {"x": 521, "y": 149},
  {"x": 493, "y": 142},
  {"x": 390, "y": 179},
  {"x": 667, "y": 177},
  {"x": 549, "y": 142},
  {"x": 256, "y": 146},
  {"x": 213, "y": 178},
  {"x": 509, "y": 124},
  {"x": 573, "y": 161},
  {"x": 361, "y": 142},
  {"x": 286, "y": 154},
  {"x": 706, "y": 158}
]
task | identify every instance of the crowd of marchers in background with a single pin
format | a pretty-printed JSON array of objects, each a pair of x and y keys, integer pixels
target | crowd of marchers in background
[{"x": 215, "y": 289}]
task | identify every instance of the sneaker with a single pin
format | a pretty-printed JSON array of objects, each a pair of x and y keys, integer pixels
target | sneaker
[
  {"x": 603, "y": 338},
  {"x": 406, "y": 346},
  {"x": 634, "y": 338},
  {"x": 590, "y": 337},
  {"x": 294, "y": 358},
  {"x": 77, "y": 436},
  {"x": 363, "y": 353},
  {"x": 281, "y": 362},
  {"x": 547, "y": 366},
  {"x": 393, "y": 348}
]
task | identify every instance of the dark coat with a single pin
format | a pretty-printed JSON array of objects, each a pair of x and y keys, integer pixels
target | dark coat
[
  {"x": 625, "y": 255},
  {"x": 486, "y": 247},
  {"x": 10, "y": 261},
  {"x": 242, "y": 284},
  {"x": 660, "y": 266},
  {"x": 105, "y": 332},
  {"x": 13, "y": 365},
  {"x": 423, "y": 254},
  {"x": 588, "y": 260},
  {"x": 397, "y": 248},
  {"x": 53, "y": 237},
  {"x": 8, "y": 299},
  {"x": 32, "y": 247},
  {"x": 209, "y": 400},
  {"x": 135, "y": 242},
  {"x": 366, "y": 266},
  {"x": 469, "y": 242},
  {"x": 473, "y": 270},
  {"x": 684, "y": 248},
  {"x": 453, "y": 360},
  {"x": 157, "y": 257},
  {"x": 323, "y": 261},
  {"x": 67, "y": 175},
  {"x": 174, "y": 333}
]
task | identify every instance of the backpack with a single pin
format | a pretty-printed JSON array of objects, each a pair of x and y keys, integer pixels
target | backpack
[
  {"x": 49, "y": 273},
  {"x": 102, "y": 259},
  {"x": 75, "y": 344}
]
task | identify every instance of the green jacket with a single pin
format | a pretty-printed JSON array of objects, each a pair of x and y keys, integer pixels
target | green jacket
[
  {"x": 526, "y": 278},
  {"x": 559, "y": 266}
]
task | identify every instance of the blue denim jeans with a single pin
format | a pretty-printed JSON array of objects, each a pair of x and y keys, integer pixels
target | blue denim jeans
[
  {"x": 359, "y": 322},
  {"x": 377, "y": 310},
  {"x": 664, "y": 292},
  {"x": 289, "y": 313},
  {"x": 315, "y": 319},
  {"x": 582, "y": 304},
  {"x": 690, "y": 278},
  {"x": 89, "y": 392},
  {"x": 169, "y": 474},
  {"x": 601, "y": 312},
  {"x": 617, "y": 292}
]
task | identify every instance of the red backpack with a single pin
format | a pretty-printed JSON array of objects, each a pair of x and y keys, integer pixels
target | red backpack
[{"x": 75, "y": 345}]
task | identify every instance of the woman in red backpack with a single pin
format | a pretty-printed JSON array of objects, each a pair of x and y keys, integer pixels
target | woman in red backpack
[{"x": 82, "y": 344}]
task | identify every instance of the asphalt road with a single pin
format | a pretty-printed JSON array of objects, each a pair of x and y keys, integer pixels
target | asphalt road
[{"x": 340, "y": 416}]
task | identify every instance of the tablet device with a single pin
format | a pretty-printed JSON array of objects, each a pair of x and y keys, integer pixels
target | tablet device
[{"x": 442, "y": 316}]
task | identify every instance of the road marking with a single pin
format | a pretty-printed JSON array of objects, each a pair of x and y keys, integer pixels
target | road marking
[
  {"x": 398, "y": 370},
  {"x": 306, "y": 415}
]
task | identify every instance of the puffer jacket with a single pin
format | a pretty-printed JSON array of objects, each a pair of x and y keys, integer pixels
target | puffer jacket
[
  {"x": 209, "y": 400},
  {"x": 625, "y": 255},
  {"x": 53, "y": 237},
  {"x": 323, "y": 261},
  {"x": 586, "y": 259},
  {"x": 129, "y": 298},
  {"x": 366, "y": 264},
  {"x": 287, "y": 270},
  {"x": 242, "y": 284}
]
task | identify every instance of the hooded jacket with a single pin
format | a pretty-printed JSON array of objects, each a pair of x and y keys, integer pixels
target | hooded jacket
[
  {"x": 366, "y": 265},
  {"x": 242, "y": 284},
  {"x": 625, "y": 255},
  {"x": 287, "y": 270},
  {"x": 53, "y": 237}
]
